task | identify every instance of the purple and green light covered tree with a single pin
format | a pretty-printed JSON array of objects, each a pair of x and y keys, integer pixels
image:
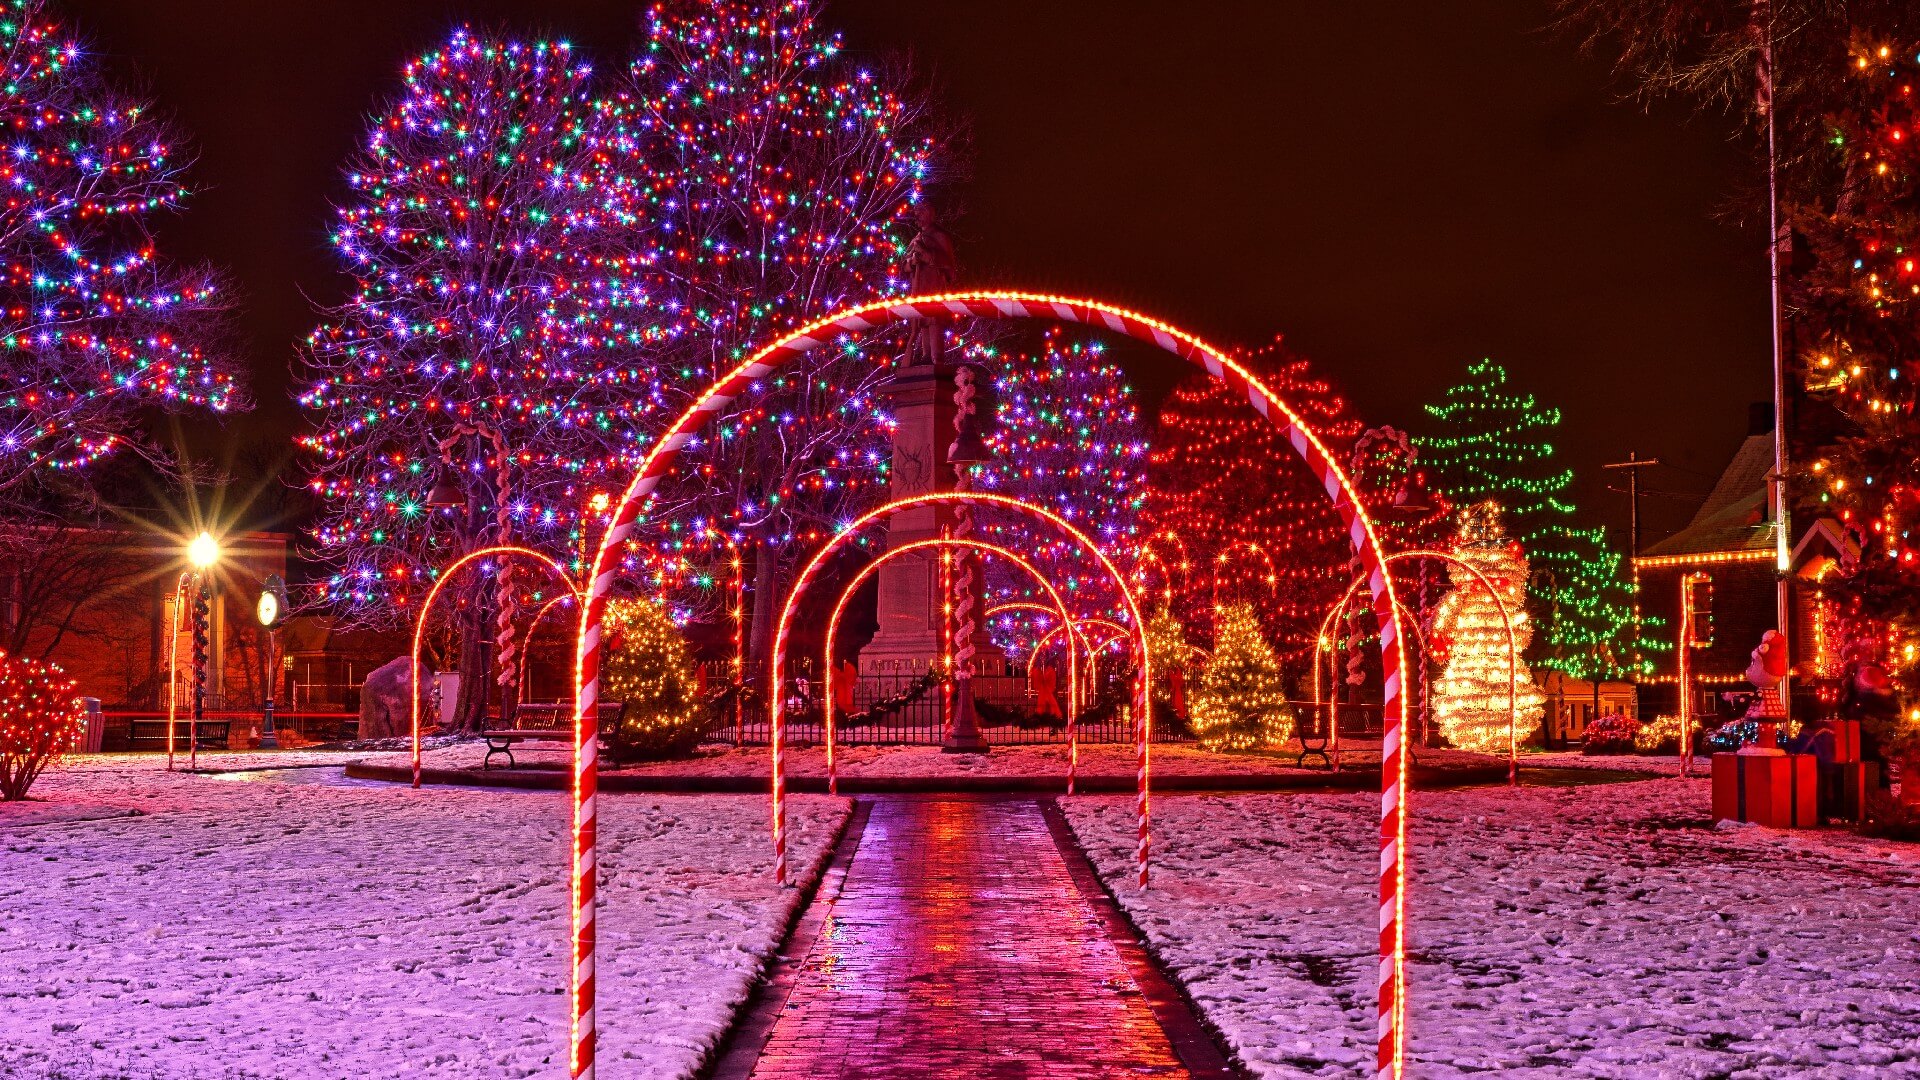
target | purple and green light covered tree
[
  {"x": 97, "y": 327},
  {"x": 775, "y": 180},
  {"x": 1066, "y": 435},
  {"x": 445, "y": 417}
]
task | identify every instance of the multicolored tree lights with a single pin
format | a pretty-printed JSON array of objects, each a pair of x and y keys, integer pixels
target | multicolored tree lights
[
  {"x": 1488, "y": 441},
  {"x": 769, "y": 178},
  {"x": 1474, "y": 695},
  {"x": 1855, "y": 337},
  {"x": 1067, "y": 436},
  {"x": 445, "y": 417},
  {"x": 96, "y": 326},
  {"x": 459, "y": 232}
]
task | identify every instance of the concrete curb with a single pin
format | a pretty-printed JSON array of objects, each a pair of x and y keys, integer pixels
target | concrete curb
[{"x": 1177, "y": 783}]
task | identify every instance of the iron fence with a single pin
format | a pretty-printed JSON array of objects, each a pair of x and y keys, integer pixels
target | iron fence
[{"x": 905, "y": 705}]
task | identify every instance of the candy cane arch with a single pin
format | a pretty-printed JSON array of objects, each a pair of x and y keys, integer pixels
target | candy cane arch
[
  {"x": 777, "y": 699},
  {"x": 1226, "y": 555},
  {"x": 1021, "y": 605},
  {"x": 867, "y": 571},
  {"x": 1506, "y": 623},
  {"x": 1092, "y": 651},
  {"x": 991, "y": 305},
  {"x": 1148, "y": 554},
  {"x": 1323, "y": 643},
  {"x": 420, "y": 627},
  {"x": 173, "y": 663}
]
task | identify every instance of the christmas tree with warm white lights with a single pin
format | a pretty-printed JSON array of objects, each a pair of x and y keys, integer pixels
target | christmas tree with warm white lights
[
  {"x": 1471, "y": 698},
  {"x": 1241, "y": 703}
]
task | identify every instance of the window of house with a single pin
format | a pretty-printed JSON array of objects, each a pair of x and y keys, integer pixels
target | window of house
[{"x": 1699, "y": 600}]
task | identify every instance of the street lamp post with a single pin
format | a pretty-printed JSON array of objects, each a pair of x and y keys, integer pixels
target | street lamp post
[
  {"x": 203, "y": 553},
  {"x": 270, "y": 610}
]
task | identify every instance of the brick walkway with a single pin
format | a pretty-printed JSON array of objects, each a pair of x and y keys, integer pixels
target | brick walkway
[{"x": 960, "y": 948}]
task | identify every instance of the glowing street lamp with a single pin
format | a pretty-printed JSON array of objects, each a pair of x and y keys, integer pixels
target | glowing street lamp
[{"x": 203, "y": 552}]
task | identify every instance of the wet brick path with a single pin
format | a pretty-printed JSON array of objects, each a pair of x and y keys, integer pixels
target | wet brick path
[{"x": 959, "y": 948}]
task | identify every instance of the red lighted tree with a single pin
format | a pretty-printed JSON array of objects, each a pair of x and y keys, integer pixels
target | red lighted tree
[
  {"x": 39, "y": 715},
  {"x": 1251, "y": 524}
]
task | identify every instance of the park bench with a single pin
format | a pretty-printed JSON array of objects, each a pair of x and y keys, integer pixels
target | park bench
[
  {"x": 545, "y": 722},
  {"x": 151, "y": 734}
]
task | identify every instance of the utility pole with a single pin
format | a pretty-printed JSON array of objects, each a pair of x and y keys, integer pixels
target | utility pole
[
  {"x": 1776, "y": 239},
  {"x": 1633, "y": 465}
]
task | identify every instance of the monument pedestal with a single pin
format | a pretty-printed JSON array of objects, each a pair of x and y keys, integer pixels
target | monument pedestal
[{"x": 911, "y": 630}]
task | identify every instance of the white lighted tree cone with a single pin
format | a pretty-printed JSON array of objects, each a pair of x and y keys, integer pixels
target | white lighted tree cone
[{"x": 1479, "y": 703}]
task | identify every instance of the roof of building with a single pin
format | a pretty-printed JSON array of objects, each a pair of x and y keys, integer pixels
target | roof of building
[{"x": 1734, "y": 517}]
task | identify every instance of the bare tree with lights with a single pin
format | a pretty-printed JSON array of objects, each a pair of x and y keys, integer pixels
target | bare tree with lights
[
  {"x": 778, "y": 178},
  {"x": 446, "y": 415},
  {"x": 97, "y": 327}
]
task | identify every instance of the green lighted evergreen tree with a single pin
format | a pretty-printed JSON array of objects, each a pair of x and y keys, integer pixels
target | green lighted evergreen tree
[
  {"x": 1488, "y": 441},
  {"x": 1241, "y": 702}
]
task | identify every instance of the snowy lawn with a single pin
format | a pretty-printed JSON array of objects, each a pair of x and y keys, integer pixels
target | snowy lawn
[
  {"x": 1603, "y": 930},
  {"x": 294, "y": 924}
]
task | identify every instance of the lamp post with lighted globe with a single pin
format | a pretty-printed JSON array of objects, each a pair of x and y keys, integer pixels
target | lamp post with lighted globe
[{"x": 270, "y": 610}]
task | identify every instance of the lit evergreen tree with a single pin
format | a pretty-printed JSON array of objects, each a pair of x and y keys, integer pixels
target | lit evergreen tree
[
  {"x": 1241, "y": 702},
  {"x": 649, "y": 671},
  {"x": 1487, "y": 441},
  {"x": 1856, "y": 337}
]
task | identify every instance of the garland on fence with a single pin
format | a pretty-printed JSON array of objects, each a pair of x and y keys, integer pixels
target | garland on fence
[
  {"x": 887, "y": 706},
  {"x": 1103, "y": 708}
]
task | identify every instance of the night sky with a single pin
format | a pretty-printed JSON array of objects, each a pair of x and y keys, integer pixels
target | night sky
[{"x": 1398, "y": 197}]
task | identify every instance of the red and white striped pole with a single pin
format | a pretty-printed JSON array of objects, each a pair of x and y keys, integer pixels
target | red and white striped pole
[
  {"x": 1002, "y": 305},
  {"x": 173, "y": 663}
]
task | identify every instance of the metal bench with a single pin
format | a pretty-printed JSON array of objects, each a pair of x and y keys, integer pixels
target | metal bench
[
  {"x": 541, "y": 722},
  {"x": 152, "y": 734}
]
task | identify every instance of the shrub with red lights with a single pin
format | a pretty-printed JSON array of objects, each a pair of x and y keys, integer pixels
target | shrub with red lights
[
  {"x": 39, "y": 716},
  {"x": 1613, "y": 733}
]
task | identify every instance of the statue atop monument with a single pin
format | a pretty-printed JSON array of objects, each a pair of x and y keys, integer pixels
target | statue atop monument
[{"x": 935, "y": 269}]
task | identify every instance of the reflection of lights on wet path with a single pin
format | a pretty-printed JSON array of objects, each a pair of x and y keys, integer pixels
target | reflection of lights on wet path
[{"x": 960, "y": 947}]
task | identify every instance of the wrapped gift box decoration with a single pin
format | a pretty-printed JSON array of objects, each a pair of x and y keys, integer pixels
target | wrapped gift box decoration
[
  {"x": 1846, "y": 740},
  {"x": 1844, "y": 788},
  {"x": 1779, "y": 791}
]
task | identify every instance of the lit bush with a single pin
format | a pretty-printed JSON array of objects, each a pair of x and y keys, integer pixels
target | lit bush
[
  {"x": 648, "y": 668},
  {"x": 1660, "y": 737},
  {"x": 1613, "y": 733},
  {"x": 39, "y": 717}
]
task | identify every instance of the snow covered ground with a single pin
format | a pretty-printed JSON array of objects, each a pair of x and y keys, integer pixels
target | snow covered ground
[
  {"x": 1604, "y": 930},
  {"x": 294, "y": 924}
]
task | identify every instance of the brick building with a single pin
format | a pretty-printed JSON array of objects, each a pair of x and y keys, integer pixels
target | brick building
[{"x": 1721, "y": 567}]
